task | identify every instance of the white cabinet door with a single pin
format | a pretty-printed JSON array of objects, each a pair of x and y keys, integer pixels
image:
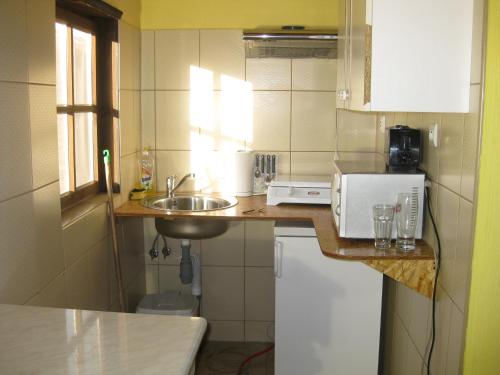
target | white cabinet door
[
  {"x": 405, "y": 55},
  {"x": 327, "y": 312}
]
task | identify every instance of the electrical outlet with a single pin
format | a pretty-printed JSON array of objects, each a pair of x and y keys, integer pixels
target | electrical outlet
[{"x": 434, "y": 133}]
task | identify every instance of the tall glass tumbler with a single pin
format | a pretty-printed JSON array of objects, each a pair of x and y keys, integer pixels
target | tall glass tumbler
[
  {"x": 383, "y": 216},
  {"x": 406, "y": 220}
]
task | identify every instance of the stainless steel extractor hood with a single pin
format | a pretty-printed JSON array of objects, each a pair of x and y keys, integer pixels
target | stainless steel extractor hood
[{"x": 290, "y": 42}]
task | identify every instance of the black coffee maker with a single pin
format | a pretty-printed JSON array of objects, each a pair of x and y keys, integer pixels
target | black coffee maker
[{"x": 404, "y": 146}]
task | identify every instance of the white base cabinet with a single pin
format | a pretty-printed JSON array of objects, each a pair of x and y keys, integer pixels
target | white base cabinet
[{"x": 328, "y": 311}]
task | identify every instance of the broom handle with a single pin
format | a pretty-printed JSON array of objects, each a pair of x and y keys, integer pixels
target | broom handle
[{"x": 116, "y": 253}]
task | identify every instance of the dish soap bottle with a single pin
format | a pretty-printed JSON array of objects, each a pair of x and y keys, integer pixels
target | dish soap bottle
[{"x": 146, "y": 171}]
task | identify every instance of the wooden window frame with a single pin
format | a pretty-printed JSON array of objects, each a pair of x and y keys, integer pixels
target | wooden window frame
[{"x": 87, "y": 16}]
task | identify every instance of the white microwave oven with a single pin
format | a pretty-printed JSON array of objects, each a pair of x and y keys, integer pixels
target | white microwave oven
[{"x": 359, "y": 185}]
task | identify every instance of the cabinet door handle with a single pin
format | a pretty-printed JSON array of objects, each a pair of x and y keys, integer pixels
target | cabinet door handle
[{"x": 278, "y": 259}]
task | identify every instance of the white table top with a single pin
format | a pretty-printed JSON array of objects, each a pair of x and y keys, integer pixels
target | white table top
[{"x": 39, "y": 340}]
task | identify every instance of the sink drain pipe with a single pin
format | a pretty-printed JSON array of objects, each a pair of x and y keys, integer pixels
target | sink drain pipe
[{"x": 190, "y": 268}]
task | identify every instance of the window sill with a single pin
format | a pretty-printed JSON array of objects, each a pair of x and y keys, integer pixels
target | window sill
[{"x": 79, "y": 210}]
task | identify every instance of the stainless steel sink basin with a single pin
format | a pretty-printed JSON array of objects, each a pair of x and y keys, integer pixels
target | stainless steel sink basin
[
  {"x": 193, "y": 203},
  {"x": 190, "y": 228}
]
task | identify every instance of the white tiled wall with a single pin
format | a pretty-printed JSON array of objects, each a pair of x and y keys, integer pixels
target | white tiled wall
[
  {"x": 452, "y": 168},
  {"x": 42, "y": 261}
]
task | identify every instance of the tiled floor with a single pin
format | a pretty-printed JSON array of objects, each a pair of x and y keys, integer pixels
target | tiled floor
[{"x": 222, "y": 358}]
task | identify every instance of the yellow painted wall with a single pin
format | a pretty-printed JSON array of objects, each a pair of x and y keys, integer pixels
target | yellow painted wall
[
  {"x": 173, "y": 14},
  {"x": 482, "y": 348},
  {"x": 131, "y": 10}
]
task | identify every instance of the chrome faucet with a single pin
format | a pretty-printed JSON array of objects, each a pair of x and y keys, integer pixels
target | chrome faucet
[{"x": 172, "y": 186}]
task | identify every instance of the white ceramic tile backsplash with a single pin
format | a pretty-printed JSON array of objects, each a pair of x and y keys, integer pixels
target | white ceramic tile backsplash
[
  {"x": 148, "y": 123},
  {"x": 313, "y": 121},
  {"x": 356, "y": 131},
  {"x": 227, "y": 249},
  {"x": 222, "y": 52},
  {"x": 314, "y": 74},
  {"x": 176, "y": 51},
  {"x": 271, "y": 121},
  {"x": 311, "y": 163},
  {"x": 174, "y": 130},
  {"x": 269, "y": 74},
  {"x": 147, "y": 60},
  {"x": 450, "y": 152}
]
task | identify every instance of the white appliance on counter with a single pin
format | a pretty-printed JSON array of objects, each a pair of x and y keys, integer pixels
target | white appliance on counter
[
  {"x": 359, "y": 185},
  {"x": 300, "y": 189},
  {"x": 328, "y": 311}
]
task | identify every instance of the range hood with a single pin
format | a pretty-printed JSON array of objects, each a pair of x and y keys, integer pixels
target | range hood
[{"x": 290, "y": 42}]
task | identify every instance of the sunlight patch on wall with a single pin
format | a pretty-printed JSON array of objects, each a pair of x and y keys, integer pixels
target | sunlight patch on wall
[{"x": 221, "y": 123}]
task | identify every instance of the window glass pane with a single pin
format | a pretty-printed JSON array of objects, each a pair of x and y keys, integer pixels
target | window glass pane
[
  {"x": 82, "y": 67},
  {"x": 84, "y": 148},
  {"x": 61, "y": 64},
  {"x": 115, "y": 65},
  {"x": 62, "y": 140}
]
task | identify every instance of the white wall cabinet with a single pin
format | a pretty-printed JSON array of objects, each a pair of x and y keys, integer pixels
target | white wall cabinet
[
  {"x": 404, "y": 55},
  {"x": 328, "y": 312}
]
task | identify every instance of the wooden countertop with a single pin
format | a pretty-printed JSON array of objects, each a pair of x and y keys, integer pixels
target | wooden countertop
[{"x": 331, "y": 244}]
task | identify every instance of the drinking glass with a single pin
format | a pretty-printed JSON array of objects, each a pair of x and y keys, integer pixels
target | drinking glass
[
  {"x": 406, "y": 220},
  {"x": 383, "y": 216}
]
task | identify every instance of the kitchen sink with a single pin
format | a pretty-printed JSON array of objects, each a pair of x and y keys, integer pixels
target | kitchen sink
[{"x": 191, "y": 228}]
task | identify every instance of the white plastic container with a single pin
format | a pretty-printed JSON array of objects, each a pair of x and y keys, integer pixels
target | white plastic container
[{"x": 169, "y": 303}]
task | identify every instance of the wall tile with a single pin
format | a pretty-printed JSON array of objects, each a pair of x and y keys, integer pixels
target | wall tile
[
  {"x": 259, "y": 293},
  {"x": 168, "y": 277},
  {"x": 314, "y": 74},
  {"x": 430, "y": 161},
  {"x": 443, "y": 314},
  {"x": 463, "y": 257},
  {"x": 356, "y": 131},
  {"x": 98, "y": 282},
  {"x": 130, "y": 57},
  {"x": 149, "y": 237},
  {"x": 225, "y": 331},
  {"x": 174, "y": 129},
  {"x": 152, "y": 279},
  {"x": 223, "y": 293},
  {"x": 48, "y": 255},
  {"x": 259, "y": 331},
  {"x": 131, "y": 242},
  {"x": 450, "y": 151},
  {"x": 400, "y": 340},
  {"x": 269, "y": 74},
  {"x": 448, "y": 213},
  {"x": 77, "y": 278},
  {"x": 15, "y": 147},
  {"x": 129, "y": 175},
  {"x": 454, "y": 358},
  {"x": 414, "y": 362},
  {"x": 477, "y": 41},
  {"x": 175, "y": 52},
  {"x": 148, "y": 120},
  {"x": 312, "y": 163},
  {"x": 470, "y": 144},
  {"x": 130, "y": 122},
  {"x": 53, "y": 295},
  {"x": 41, "y": 41},
  {"x": 44, "y": 147},
  {"x": 259, "y": 243},
  {"x": 147, "y": 59},
  {"x": 271, "y": 121},
  {"x": 82, "y": 234},
  {"x": 419, "y": 328},
  {"x": 404, "y": 304},
  {"x": 13, "y": 38},
  {"x": 226, "y": 249},
  {"x": 223, "y": 53},
  {"x": 313, "y": 121}
]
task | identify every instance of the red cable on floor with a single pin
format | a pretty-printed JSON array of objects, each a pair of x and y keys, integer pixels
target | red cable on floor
[{"x": 255, "y": 355}]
